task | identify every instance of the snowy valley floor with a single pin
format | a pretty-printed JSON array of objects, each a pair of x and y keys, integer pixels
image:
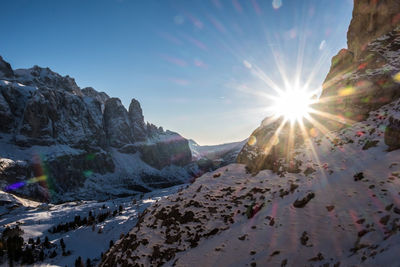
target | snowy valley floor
[
  {"x": 36, "y": 219},
  {"x": 342, "y": 209}
]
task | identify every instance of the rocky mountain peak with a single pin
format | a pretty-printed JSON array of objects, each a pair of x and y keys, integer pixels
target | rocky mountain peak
[
  {"x": 137, "y": 120},
  {"x": 5, "y": 69},
  {"x": 46, "y": 78},
  {"x": 371, "y": 19}
]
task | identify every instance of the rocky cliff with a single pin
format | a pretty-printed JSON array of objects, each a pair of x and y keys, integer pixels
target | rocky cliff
[
  {"x": 77, "y": 133},
  {"x": 361, "y": 79}
]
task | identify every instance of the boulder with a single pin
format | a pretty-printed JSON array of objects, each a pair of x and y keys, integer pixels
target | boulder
[{"x": 392, "y": 134}]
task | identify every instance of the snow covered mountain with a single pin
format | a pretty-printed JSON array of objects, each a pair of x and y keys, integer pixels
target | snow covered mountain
[
  {"x": 332, "y": 199},
  {"x": 83, "y": 143},
  {"x": 216, "y": 155}
]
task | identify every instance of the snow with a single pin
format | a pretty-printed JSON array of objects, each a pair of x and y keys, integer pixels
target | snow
[
  {"x": 36, "y": 219},
  {"x": 344, "y": 222}
]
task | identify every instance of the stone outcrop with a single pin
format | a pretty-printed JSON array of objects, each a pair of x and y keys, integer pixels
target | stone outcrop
[
  {"x": 117, "y": 124},
  {"x": 136, "y": 120},
  {"x": 5, "y": 69},
  {"x": 270, "y": 146},
  {"x": 371, "y": 19},
  {"x": 362, "y": 78},
  {"x": 392, "y": 134}
]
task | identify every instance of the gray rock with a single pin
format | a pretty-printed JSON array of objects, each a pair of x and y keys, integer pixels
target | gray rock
[
  {"x": 117, "y": 124},
  {"x": 6, "y": 71},
  {"x": 392, "y": 134}
]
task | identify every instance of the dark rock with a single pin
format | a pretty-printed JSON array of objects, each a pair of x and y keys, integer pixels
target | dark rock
[
  {"x": 358, "y": 176},
  {"x": 384, "y": 220},
  {"x": 300, "y": 203},
  {"x": 137, "y": 120},
  {"x": 392, "y": 134},
  {"x": 172, "y": 149},
  {"x": 5, "y": 69},
  {"x": 117, "y": 123},
  {"x": 370, "y": 144}
]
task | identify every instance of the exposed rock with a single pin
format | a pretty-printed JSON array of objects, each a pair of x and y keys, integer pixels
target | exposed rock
[
  {"x": 361, "y": 78},
  {"x": 172, "y": 149},
  {"x": 301, "y": 203},
  {"x": 358, "y": 176},
  {"x": 117, "y": 124},
  {"x": 46, "y": 78},
  {"x": 370, "y": 20},
  {"x": 60, "y": 115},
  {"x": 99, "y": 96},
  {"x": 137, "y": 120},
  {"x": 392, "y": 134},
  {"x": 39, "y": 107},
  {"x": 268, "y": 144},
  {"x": 6, "y": 117},
  {"x": 5, "y": 69}
]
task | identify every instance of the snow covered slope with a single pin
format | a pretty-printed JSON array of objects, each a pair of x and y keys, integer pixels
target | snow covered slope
[
  {"x": 342, "y": 208},
  {"x": 87, "y": 241},
  {"x": 224, "y": 152}
]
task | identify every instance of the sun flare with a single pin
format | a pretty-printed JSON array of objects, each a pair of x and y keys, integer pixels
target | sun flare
[{"x": 292, "y": 105}]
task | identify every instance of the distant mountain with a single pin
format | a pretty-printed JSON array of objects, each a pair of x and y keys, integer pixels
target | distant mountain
[
  {"x": 220, "y": 154},
  {"x": 330, "y": 199},
  {"x": 85, "y": 143}
]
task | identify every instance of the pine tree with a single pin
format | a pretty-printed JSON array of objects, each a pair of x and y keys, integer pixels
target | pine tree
[
  {"x": 46, "y": 242},
  {"x": 38, "y": 241},
  {"x": 62, "y": 244},
  {"x": 111, "y": 243},
  {"x": 41, "y": 255}
]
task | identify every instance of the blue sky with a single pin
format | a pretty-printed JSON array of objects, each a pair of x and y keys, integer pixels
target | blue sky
[{"x": 190, "y": 63}]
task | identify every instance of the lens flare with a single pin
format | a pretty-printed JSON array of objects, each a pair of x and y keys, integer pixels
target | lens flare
[{"x": 293, "y": 104}]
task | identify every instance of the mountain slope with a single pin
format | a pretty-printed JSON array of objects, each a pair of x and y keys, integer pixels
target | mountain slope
[
  {"x": 330, "y": 199},
  {"x": 75, "y": 138},
  {"x": 352, "y": 217}
]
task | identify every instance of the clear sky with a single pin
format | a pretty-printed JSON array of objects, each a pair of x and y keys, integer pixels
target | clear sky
[{"x": 190, "y": 63}]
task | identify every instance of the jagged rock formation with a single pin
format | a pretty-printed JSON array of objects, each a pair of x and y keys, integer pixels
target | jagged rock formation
[
  {"x": 39, "y": 107},
  {"x": 371, "y": 19},
  {"x": 361, "y": 79}
]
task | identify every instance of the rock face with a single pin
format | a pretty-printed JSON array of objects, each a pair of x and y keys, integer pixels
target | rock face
[
  {"x": 269, "y": 146},
  {"x": 5, "y": 69},
  {"x": 158, "y": 154},
  {"x": 87, "y": 129},
  {"x": 363, "y": 77},
  {"x": 371, "y": 19},
  {"x": 392, "y": 134}
]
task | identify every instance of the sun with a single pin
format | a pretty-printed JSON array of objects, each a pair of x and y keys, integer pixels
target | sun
[{"x": 292, "y": 104}]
